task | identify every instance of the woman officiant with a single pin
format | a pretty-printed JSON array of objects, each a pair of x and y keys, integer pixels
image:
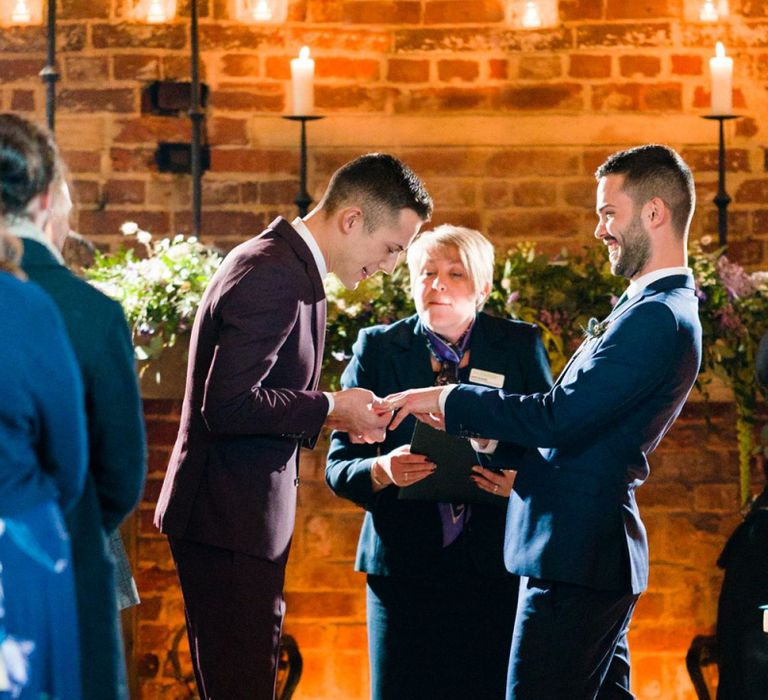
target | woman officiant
[{"x": 440, "y": 604}]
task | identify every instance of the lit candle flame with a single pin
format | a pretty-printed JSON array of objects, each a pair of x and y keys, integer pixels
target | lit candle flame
[
  {"x": 156, "y": 12},
  {"x": 262, "y": 12},
  {"x": 304, "y": 52},
  {"x": 708, "y": 12},
  {"x": 719, "y": 49},
  {"x": 531, "y": 15},
  {"x": 21, "y": 13}
]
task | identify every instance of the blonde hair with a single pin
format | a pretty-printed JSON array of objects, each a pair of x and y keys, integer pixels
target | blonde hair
[{"x": 475, "y": 252}]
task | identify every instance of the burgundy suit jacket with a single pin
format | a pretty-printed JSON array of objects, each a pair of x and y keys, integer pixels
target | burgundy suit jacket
[{"x": 250, "y": 399}]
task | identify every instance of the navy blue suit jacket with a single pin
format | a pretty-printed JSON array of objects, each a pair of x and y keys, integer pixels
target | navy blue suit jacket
[
  {"x": 250, "y": 400},
  {"x": 405, "y": 537},
  {"x": 573, "y": 515}
]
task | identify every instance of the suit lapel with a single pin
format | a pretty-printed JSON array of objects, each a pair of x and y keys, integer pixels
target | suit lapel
[
  {"x": 283, "y": 229},
  {"x": 487, "y": 348},
  {"x": 410, "y": 356},
  {"x": 662, "y": 285}
]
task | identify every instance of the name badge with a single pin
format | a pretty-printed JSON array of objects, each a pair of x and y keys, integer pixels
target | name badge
[{"x": 481, "y": 376}]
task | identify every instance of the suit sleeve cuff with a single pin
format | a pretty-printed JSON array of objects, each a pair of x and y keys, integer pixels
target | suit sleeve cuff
[{"x": 331, "y": 403}]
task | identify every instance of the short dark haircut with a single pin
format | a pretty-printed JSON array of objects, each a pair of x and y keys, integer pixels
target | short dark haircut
[
  {"x": 381, "y": 185},
  {"x": 655, "y": 171},
  {"x": 29, "y": 163}
]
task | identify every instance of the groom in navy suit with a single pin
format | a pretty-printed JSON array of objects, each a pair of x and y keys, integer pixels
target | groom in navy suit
[{"x": 573, "y": 526}]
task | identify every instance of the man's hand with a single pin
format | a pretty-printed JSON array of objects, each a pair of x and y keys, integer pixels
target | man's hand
[
  {"x": 401, "y": 467},
  {"x": 353, "y": 413},
  {"x": 421, "y": 403}
]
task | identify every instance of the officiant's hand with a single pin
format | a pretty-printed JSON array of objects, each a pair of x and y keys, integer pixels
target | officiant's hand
[
  {"x": 497, "y": 483},
  {"x": 401, "y": 468},
  {"x": 423, "y": 404}
]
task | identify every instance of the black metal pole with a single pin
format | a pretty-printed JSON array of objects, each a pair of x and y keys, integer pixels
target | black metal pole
[
  {"x": 722, "y": 198},
  {"x": 196, "y": 115},
  {"x": 303, "y": 200},
  {"x": 49, "y": 75}
]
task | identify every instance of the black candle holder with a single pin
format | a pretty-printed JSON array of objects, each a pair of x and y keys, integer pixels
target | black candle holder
[
  {"x": 722, "y": 199},
  {"x": 49, "y": 75},
  {"x": 303, "y": 200}
]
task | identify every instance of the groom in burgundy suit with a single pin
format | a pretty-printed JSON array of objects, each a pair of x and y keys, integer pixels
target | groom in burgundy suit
[{"x": 229, "y": 496}]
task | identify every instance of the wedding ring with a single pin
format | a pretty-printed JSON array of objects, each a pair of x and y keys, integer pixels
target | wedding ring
[
  {"x": 406, "y": 476},
  {"x": 495, "y": 488}
]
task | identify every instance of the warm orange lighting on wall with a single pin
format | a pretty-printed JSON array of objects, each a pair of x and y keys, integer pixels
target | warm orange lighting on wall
[
  {"x": 260, "y": 11},
  {"x": 18, "y": 13},
  {"x": 713, "y": 10},
  {"x": 153, "y": 11},
  {"x": 532, "y": 14}
]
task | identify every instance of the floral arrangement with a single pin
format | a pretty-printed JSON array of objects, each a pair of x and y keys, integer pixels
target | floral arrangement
[
  {"x": 733, "y": 308},
  {"x": 159, "y": 285}
]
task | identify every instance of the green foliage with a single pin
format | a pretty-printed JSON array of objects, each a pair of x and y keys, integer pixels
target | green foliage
[{"x": 160, "y": 292}]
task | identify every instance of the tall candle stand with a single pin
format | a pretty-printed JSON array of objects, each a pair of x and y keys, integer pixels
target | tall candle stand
[
  {"x": 303, "y": 200},
  {"x": 49, "y": 75},
  {"x": 722, "y": 199}
]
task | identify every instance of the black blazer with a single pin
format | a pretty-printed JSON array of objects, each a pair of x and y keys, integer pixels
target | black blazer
[{"x": 405, "y": 537}]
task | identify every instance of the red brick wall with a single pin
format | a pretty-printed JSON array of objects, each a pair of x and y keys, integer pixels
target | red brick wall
[
  {"x": 688, "y": 507},
  {"x": 506, "y": 125}
]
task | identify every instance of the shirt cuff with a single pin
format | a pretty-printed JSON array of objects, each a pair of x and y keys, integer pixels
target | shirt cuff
[
  {"x": 331, "y": 402},
  {"x": 444, "y": 396},
  {"x": 489, "y": 449}
]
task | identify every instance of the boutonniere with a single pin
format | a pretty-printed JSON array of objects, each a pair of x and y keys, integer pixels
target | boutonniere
[{"x": 596, "y": 328}]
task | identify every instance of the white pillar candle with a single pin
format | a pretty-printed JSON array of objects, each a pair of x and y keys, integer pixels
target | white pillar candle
[
  {"x": 302, "y": 83},
  {"x": 721, "y": 70}
]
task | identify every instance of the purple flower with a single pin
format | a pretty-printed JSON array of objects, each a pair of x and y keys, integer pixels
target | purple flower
[
  {"x": 737, "y": 282},
  {"x": 729, "y": 320}
]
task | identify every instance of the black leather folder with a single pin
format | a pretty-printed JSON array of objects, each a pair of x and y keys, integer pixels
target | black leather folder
[{"x": 451, "y": 482}]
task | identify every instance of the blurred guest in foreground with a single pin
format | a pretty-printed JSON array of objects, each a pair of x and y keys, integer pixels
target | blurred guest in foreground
[
  {"x": 441, "y": 606},
  {"x": 42, "y": 467},
  {"x": 102, "y": 343}
]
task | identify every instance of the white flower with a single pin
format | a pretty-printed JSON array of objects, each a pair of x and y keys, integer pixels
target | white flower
[
  {"x": 596, "y": 328},
  {"x": 14, "y": 664},
  {"x": 178, "y": 252},
  {"x": 155, "y": 270},
  {"x": 143, "y": 237},
  {"x": 129, "y": 228}
]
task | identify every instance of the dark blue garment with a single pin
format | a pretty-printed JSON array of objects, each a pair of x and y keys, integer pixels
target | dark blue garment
[
  {"x": 37, "y": 611},
  {"x": 42, "y": 468},
  {"x": 442, "y": 637},
  {"x": 42, "y": 427}
]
